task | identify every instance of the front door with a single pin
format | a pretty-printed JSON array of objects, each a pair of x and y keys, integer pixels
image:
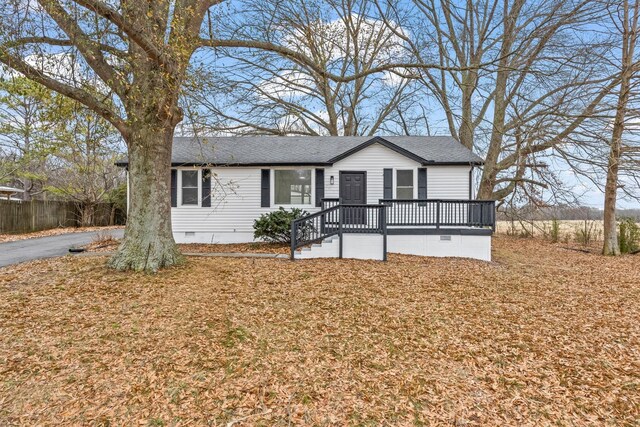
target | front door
[{"x": 353, "y": 191}]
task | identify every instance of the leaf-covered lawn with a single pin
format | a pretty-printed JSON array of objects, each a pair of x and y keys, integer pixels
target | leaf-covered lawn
[
  {"x": 52, "y": 232},
  {"x": 541, "y": 336}
]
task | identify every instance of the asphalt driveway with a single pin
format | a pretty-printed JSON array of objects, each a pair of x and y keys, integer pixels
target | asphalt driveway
[{"x": 47, "y": 247}]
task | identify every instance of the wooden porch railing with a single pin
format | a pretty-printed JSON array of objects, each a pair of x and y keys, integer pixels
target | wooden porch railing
[
  {"x": 440, "y": 213},
  {"x": 336, "y": 218}
]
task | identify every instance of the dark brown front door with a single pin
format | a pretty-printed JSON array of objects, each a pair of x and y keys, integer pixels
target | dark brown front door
[{"x": 353, "y": 191}]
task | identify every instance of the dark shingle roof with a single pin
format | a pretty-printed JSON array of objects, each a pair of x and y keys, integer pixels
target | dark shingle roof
[{"x": 312, "y": 150}]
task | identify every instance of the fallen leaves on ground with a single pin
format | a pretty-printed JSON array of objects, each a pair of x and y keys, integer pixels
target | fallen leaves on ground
[
  {"x": 203, "y": 248},
  {"x": 541, "y": 336},
  {"x": 52, "y": 232},
  {"x": 257, "y": 247}
]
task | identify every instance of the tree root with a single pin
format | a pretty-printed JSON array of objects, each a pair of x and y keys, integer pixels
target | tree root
[{"x": 132, "y": 256}]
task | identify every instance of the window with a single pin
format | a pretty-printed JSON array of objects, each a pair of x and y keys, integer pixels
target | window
[
  {"x": 190, "y": 187},
  {"x": 404, "y": 184},
  {"x": 292, "y": 187}
]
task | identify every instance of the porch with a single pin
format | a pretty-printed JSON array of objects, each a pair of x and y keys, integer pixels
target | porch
[{"x": 420, "y": 227}]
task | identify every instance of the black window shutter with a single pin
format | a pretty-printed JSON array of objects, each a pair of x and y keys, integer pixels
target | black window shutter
[
  {"x": 174, "y": 188},
  {"x": 206, "y": 188},
  {"x": 319, "y": 186},
  {"x": 388, "y": 183},
  {"x": 265, "y": 196},
  {"x": 422, "y": 183}
]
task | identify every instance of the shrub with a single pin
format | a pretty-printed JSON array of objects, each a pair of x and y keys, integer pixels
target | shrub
[
  {"x": 629, "y": 236},
  {"x": 586, "y": 234},
  {"x": 275, "y": 227}
]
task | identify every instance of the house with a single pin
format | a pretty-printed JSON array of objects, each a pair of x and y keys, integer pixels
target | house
[{"x": 366, "y": 195}]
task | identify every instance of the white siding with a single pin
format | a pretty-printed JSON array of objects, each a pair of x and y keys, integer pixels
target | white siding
[
  {"x": 363, "y": 246},
  {"x": 236, "y": 194},
  {"x": 443, "y": 182},
  {"x": 476, "y": 247},
  {"x": 448, "y": 182},
  {"x": 373, "y": 159},
  {"x": 235, "y": 204},
  {"x": 355, "y": 246},
  {"x": 371, "y": 246}
]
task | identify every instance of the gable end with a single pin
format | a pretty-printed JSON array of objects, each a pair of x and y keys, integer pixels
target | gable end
[{"x": 384, "y": 143}]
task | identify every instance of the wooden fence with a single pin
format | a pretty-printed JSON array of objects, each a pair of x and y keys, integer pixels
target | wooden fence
[{"x": 36, "y": 215}]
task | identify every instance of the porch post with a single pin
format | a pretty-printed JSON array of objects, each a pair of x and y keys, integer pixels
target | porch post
[
  {"x": 340, "y": 220},
  {"x": 383, "y": 220},
  {"x": 293, "y": 240}
]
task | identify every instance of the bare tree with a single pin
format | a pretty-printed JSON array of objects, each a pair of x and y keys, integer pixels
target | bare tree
[
  {"x": 265, "y": 92},
  {"x": 515, "y": 79},
  {"x": 137, "y": 54},
  {"x": 625, "y": 18}
]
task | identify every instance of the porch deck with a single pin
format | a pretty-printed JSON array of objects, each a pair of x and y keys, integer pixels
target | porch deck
[{"x": 394, "y": 217}]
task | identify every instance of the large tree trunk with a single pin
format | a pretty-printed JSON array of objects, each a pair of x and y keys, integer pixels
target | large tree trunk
[
  {"x": 148, "y": 243},
  {"x": 490, "y": 171},
  {"x": 610, "y": 225},
  {"x": 629, "y": 38},
  {"x": 611, "y": 245}
]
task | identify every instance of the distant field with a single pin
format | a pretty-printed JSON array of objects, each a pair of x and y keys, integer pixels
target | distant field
[{"x": 570, "y": 230}]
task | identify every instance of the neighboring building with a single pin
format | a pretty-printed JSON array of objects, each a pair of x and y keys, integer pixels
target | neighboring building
[
  {"x": 8, "y": 193},
  {"x": 220, "y": 185}
]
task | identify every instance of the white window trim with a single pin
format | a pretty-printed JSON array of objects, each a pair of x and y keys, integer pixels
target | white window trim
[
  {"x": 179, "y": 184},
  {"x": 415, "y": 181},
  {"x": 272, "y": 186}
]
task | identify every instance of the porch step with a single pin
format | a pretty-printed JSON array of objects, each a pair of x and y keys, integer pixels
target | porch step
[{"x": 328, "y": 248}]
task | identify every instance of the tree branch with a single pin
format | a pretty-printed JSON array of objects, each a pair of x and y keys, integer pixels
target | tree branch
[
  {"x": 90, "y": 51},
  {"x": 303, "y": 59},
  {"x": 77, "y": 94},
  {"x": 135, "y": 34}
]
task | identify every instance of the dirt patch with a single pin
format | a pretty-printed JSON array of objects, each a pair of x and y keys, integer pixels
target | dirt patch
[{"x": 541, "y": 336}]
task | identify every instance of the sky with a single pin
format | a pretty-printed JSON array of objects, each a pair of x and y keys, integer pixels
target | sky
[{"x": 589, "y": 192}]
